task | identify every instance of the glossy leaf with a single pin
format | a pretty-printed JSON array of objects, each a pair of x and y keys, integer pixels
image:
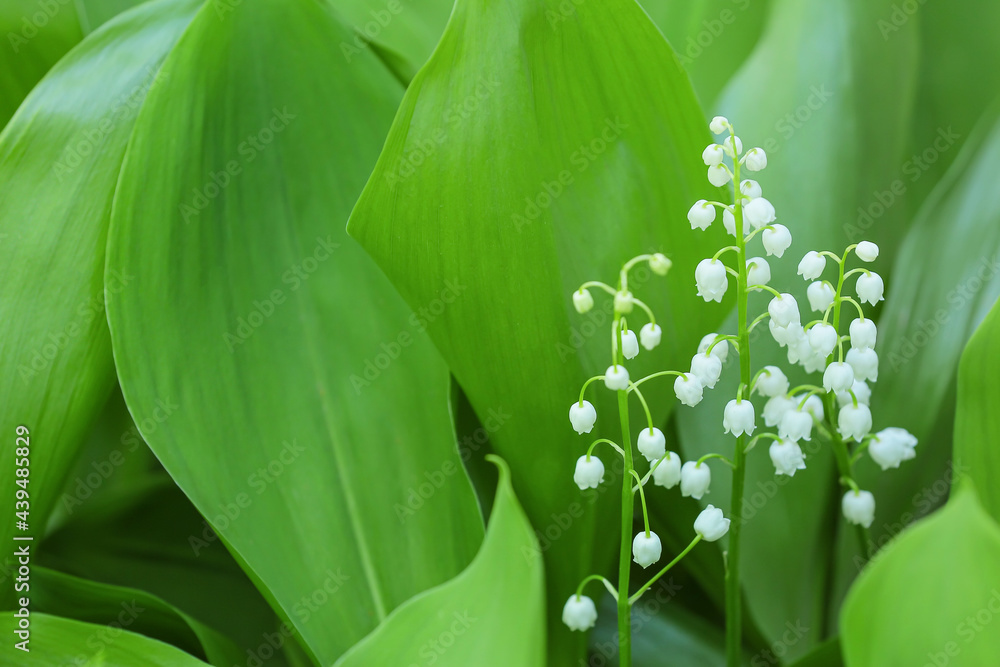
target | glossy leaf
[
  {"x": 977, "y": 421},
  {"x": 313, "y": 431},
  {"x": 581, "y": 163},
  {"x": 491, "y": 615},
  {"x": 57, "y": 641},
  {"x": 886, "y": 620},
  {"x": 58, "y": 173}
]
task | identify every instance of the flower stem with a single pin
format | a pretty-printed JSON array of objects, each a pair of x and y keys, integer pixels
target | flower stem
[
  {"x": 734, "y": 620},
  {"x": 625, "y": 555}
]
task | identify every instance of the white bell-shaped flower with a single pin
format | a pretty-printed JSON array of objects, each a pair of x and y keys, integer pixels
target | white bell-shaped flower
[
  {"x": 756, "y": 159},
  {"x": 854, "y": 421},
  {"x": 739, "y": 418},
  {"x": 786, "y": 335},
  {"x": 863, "y": 333},
  {"x": 796, "y": 425},
  {"x": 866, "y": 251},
  {"x": 838, "y": 376},
  {"x": 775, "y": 409},
  {"x": 583, "y": 301},
  {"x": 732, "y": 146},
  {"x": 772, "y": 382},
  {"x": 787, "y": 457},
  {"x": 616, "y": 378},
  {"x": 813, "y": 405},
  {"x": 861, "y": 391},
  {"x": 711, "y": 524},
  {"x": 758, "y": 271},
  {"x": 667, "y": 472},
  {"x": 646, "y": 549},
  {"x": 719, "y": 125},
  {"x": 759, "y": 212},
  {"x": 589, "y": 472},
  {"x": 701, "y": 215},
  {"x": 689, "y": 389},
  {"x": 865, "y": 363},
  {"x": 822, "y": 339},
  {"x": 651, "y": 443},
  {"x": 729, "y": 222},
  {"x": 707, "y": 368},
  {"x": 870, "y": 288},
  {"x": 711, "y": 279},
  {"x": 624, "y": 302},
  {"x": 821, "y": 295},
  {"x": 630, "y": 344},
  {"x": 582, "y": 416},
  {"x": 750, "y": 189},
  {"x": 891, "y": 446},
  {"x": 799, "y": 349},
  {"x": 579, "y": 613},
  {"x": 695, "y": 479},
  {"x": 859, "y": 507},
  {"x": 776, "y": 240},
  {"x": 814, "y": 363},
  {"x": 721, "y": 349},
  {"x": 660, "y": 264},
  {"x": 713, "y": 155},
  {"x": 783, "y": 310},
  {"x": 811, "y": 266},
  {"x": 649, "y": 335},
  {"x": 718, "y": 175}
]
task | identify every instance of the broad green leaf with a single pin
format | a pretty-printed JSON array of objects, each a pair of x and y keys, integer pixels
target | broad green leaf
[
  {"x": 828, "y": 654},
  {"x": 55, "y": 642},
  {"x": 814, "y": 121},
  {"x": 58, "y": 172},
  {"x": 580, "y": 162},
  {"x": 712, "y": 37},
  {"x": 491, "y": 615},
  {"x": 905, "y": 610},
  {"x": 977, "y": 421},
  {"x": 93, "y": 14},
  {"x": 313, "y": 431},
  {"x": 66, "y": 596}
]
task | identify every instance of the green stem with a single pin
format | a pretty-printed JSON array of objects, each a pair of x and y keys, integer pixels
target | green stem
[
  {"x": 625, "y": 555},
  {"x": 638, "y": 593},
  {"x": 734, "y": 620}
]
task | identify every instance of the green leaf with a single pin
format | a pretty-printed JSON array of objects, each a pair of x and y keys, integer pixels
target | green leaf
[
  {"x": 581, "y": 163},
  {"x": 904, "y": 610},
  {"x": 827, "y": 654},
  {"x": 58, "y": 172},
  {"x": 314, "y": 431},
  {"x": 95, "y": 13},
  {"x": 66, "y": 596},
  {"x": 977, "y": 421},
  {"x": 57, "y": 641},
  {"x": 491, "y": 615}
]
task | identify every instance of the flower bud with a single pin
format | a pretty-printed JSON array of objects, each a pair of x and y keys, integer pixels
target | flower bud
[
  {"x": 865, "y": 363},
  {"x": 711, "y": 524},
  {"x": 689, "y": 389},
  {"x": 721, "y": 349},
  {"x": 719, "y": 125},
  {"x": 758, "y": 271},
  {"x": 776, "y": 240},
  {"x": 891, "y": 446},
  {"x": 813, "y": 405},
  {"x": 870, "y": 288},
  {"x": 863, "y": 333},
  {"x": 861, "y": 391},
  {"x": 732, "y": 146},
  {"x": 811, "y": 266},
  {"x": 786, "y": 455},
  {"x": 630, "y": 344},
  {"x": 589, "y": 472},
  {"x": 756, "y": 159},
  {"x": 772, "y": 382},
  {"x": 579, "y": 613},
  {"x": 582, "y": 416},
  {"x": 859, "y": 507},
  {"x": 624, "y": 302},
  {"x": 616, "y": 378},
  {"x": 707, "y": 368},
  {"x": 582, "y": 301},
  {"x": 820, "y": 295},
  {"x": 651, "y": 443},
  {"x": 783, "y": 310},
  {"x": 701, "y": 215},
  {"x": 660, "y": 264},
  {"x": 711, "y": 279},
  {"x": 729, "y": 222},
  {"x": 713, "y": 155},
  {"x": 718, "y": 175},
  {"x": 750, "y": 189},
  {"x": 646, "y": 550},
  {"x": 839, "y": 376},
  {"x": 649, "y": 335},
  {"x": 759, "y": 212},
  {"x": 668, "y": 472},
  {"x": 695, "y": 479},
  {"x": 866, "y": 251},
  {"x": 796, "y": 425},
  {"x": 786, "y": 335},
  {"x": 854, "y": 421},
  {"x": 775, "y": 409},
  {"x": 738, "y": 417},
  {"x": 822, "y": 339}
]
